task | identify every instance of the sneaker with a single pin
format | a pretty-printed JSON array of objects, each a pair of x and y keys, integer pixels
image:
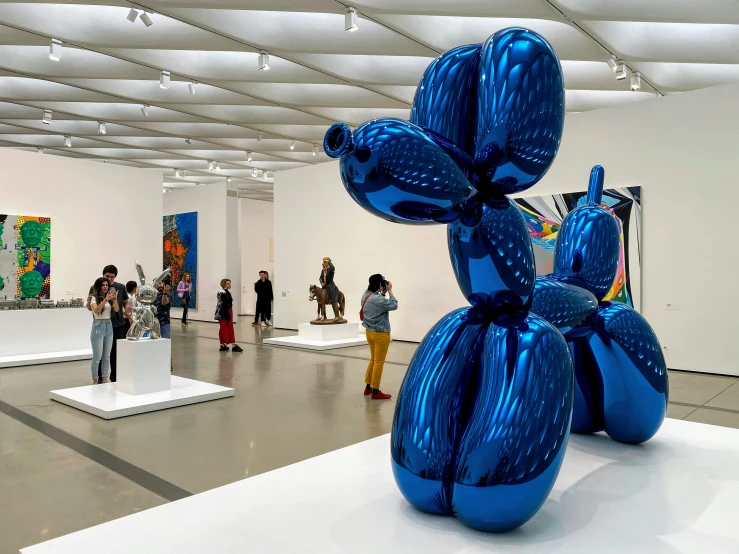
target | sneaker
[
  {"x": 223, "y": 348},
  {"x": 367, "y": 390},
  {"x": 379, "y": 395},
  {"x": 268, "y": 323},
  {"x": 255, "y": 324},
  {"x": 236, "y": 348}
]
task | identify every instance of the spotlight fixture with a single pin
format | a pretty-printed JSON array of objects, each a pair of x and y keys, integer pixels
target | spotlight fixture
[
  {"x": 254, "y": 172},
  {"x": 613, "y": 63},
  {"x": 145, "y": 110},
  {"x": 248, "y": 156},
  {"x": 264, "y": 60},
  {"x": 636, "y": 81},
  {"x": 228, "y": 179},
  {"x": 67, "y": 141},
  {"x": 292, "y": 145},
  {"x": 179, "y": 173},
  {"x": 47, "y": 117},
  {"x": 218, "y": 166},
  {"x": 188, "y": 141},
  {"x": 55, "y": 50},
  {"x": 40, "y": 150},
  {"x": 315, "y": 150},
  {"x": 621, "y": 70},
  {"x": 164, "y": 77},
  {"x": 259, "y": 136},
  {"x": 146, "y": 19},
  {"x": 350, "y": 19},
  {"x": 191, "y": 86},
  {"x": 132, "y": 15},
  {"x": 101, "y": 128},
  {"x": 211, "y": 166}
]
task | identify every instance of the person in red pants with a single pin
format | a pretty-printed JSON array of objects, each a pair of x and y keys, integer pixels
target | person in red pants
[{"x": 225, "y": 317}]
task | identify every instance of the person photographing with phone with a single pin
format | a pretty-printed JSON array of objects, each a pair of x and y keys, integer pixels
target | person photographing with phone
[
  {"x": 103, "y": 302},
  {"x": 377, "y": 303}
]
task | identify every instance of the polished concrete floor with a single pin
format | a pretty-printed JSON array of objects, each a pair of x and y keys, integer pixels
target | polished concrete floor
[{"x": 62, "y": 470}]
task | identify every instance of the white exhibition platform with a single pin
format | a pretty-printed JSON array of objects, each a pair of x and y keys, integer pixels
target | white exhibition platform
[
  {"x": 323, "y": 337},
  {"x": 679, "y": 493},
  {"x": 44, "y": 336},
  {"x": 107, "y": 402},
  {"x": 145, "y": 384}
]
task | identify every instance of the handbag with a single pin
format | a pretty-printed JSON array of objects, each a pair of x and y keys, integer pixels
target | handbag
[
  {"x": 361, "y": 311},
  {"x": 217, "y": 315}
]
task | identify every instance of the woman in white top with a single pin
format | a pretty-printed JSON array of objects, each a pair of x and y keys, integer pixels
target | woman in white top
[{"x": 102, "y": 303}]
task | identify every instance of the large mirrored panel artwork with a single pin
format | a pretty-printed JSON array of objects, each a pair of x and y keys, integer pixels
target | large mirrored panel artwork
[
  {"x": 181, "y": 251},
  {"x": 544, "y": 215},
  {"x": 25, "y": 257}
]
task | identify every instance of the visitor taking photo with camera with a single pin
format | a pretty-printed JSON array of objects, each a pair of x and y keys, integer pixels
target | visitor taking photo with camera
[{"x": 377, "y": 303}]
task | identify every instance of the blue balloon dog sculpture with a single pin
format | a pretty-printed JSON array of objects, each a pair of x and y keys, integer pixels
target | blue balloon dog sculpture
[
  {"x": 621, "y": 383},
  {"x": 483, "y": 416}
]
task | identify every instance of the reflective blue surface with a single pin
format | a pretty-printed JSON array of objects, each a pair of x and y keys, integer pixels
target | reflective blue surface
[
  {"x": 520, "y": 111},
  {"x": 621, "y": 382},
  {"x": 430, "y": 410},
  {"x": 516, "y": 435},
  {"x": 484, "y": 413},
  {"x": 588, "y": 244},
  {"x": 492, "y": 257},
  {"x": 395, "y": 171},
  {"x": 564, "y": 306}
]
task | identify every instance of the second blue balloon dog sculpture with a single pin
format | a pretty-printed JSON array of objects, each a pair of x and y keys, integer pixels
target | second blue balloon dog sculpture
[{"x": 483, "y": 416}]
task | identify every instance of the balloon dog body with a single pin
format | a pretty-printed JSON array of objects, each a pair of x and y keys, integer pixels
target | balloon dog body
[{"x": 483, "y": 416}]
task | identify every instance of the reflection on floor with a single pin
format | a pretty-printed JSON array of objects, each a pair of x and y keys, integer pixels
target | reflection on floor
[{"x": 290, "y": 405}]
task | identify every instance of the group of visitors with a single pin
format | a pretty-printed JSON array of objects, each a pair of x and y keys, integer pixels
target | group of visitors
[{"x": 112, "y": 305}]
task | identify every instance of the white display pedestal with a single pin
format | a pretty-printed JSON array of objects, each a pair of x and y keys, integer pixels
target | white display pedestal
[
  {"x": 323, "y": 337},
  {"x": 43, "y": 336},
  {"x": 144, "y": 365},
  {"x": 678, "y": 493}
]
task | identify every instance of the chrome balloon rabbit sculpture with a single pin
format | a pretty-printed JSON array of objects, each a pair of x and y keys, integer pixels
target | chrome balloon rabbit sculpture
[
  {"x": 483, "y": 416},
  {"x": 144, "y": 314}
]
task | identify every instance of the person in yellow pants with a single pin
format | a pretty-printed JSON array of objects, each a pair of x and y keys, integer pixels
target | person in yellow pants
[{"x": 377, "y": 303}]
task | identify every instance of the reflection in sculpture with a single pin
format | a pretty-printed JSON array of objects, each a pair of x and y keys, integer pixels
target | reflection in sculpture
[
  {"x": 144, "y": 314},
  {"x": 483, "y": 415},
  {"x": 615, "y": 352},
  {"x": 329, "y": 293}
]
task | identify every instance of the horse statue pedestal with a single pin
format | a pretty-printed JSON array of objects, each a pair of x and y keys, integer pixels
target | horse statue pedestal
[{"x": 322, "y": 337}]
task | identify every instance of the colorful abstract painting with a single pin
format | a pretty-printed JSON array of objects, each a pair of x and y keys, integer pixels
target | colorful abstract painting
[
  {"x": 25, "y": 256},
  {"x": 544, "y": 215},
  {"x": 181, "y": 251}
]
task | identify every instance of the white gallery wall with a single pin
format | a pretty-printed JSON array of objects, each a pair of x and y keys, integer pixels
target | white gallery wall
[
  {"x": 100, "y": 214},
  {"x": 219, "y": 254},
  {"x": 257, "y": 229},
  {"x": 680, "y": 149}
]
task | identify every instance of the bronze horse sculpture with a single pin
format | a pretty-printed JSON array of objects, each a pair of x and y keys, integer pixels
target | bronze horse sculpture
[{"x": 321, "y": 296}]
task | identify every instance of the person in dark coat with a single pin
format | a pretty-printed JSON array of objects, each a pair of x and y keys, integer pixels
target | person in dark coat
[
  {"x": 263, "y": 288},
  {"x": 327, "y": 282}
]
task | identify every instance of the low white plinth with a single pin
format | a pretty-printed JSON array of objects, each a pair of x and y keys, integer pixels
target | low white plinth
[
  {"x": 45, "y": 358},
  {"x": 144, "y": 365},
  {"x": 679, "y": 493},
  {"x": 106, "y": 402},
  {"x": 323, "y": 337},
  {"x": 29, "y": 337}
]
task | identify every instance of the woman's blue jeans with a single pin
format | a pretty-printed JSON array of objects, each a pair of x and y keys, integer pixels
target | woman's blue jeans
[{"x": 102, "y": 339}]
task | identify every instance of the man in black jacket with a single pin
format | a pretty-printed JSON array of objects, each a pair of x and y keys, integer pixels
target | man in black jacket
[
  {"x": 110, "y": 272},
  {"x": 263, "y": 288}
]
